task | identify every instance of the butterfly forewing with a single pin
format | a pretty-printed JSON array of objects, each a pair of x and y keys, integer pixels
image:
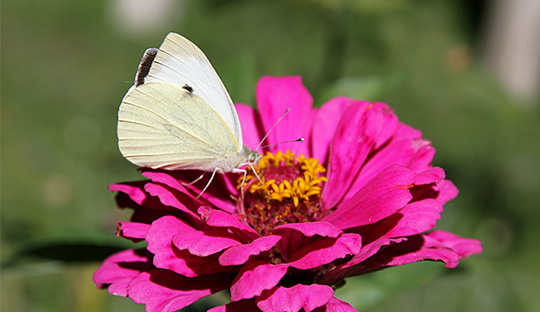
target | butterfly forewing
[
  {"x": 181, "y": 63},
  {"x": 164, "y": 126}
]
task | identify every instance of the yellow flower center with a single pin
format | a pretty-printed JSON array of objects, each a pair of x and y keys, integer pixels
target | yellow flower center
[{"x": 290, "y": 191}]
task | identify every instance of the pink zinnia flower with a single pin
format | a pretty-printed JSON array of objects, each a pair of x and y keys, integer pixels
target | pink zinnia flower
[{"x": 286, "y": 242}]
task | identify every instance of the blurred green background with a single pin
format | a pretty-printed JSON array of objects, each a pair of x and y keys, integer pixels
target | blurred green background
[{"x": 65, "y": 66}]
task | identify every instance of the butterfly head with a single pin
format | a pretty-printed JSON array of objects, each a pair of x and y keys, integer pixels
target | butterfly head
[{"x": 252, "y": 156}]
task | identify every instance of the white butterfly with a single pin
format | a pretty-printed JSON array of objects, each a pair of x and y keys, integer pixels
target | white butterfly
[{"x": 178, "y": 114}]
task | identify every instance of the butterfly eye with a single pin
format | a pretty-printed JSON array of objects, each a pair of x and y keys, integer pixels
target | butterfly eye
[{"x": 254, "y": 157}]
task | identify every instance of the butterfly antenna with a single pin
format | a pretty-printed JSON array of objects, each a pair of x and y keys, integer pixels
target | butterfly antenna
[
  {"x": 275, "y": 124},
  {"x": 289, "y": 141}
]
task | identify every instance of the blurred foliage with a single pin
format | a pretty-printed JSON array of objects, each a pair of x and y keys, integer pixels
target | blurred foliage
[{"x": 66, "y": 65}]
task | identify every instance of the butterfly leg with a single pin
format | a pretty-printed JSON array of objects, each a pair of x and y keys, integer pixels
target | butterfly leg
[
  {"x": 196, "y": 180},
  {"x": 244, "y": 172},
  {"x": 255, "y": 173},
  {"x": 207, "y": 184}
]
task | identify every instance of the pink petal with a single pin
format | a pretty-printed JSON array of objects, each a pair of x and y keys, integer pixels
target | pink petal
[
  {"x": 415, "y": 249},
  {"x": 218, "y": 192},
  {"x": 164, "y": 177},
  {"x": 320, "y": 228},
  {"x": 447, "y": 191},
  {"x": 274, "y": 96},
  {"x": 326, "y": 250},
  {"x": 255, "y": 277},
  {"x": 390, "y": 123},
  {"x": 373, "y": 248},
  {"x": 406, "y": 132},
  {"x": 161, "y": 232},
  {"x": 166, "y": 256},
  {"x": 119, "y": 269},
  {"x": 325, "y": 124},
  {"x": 133, "y": 190},
  {"x": 336, "y": 305},
  {"x": 383, "y": 196},
  {"x": 168, "y": 198},
  {"x": 240, "y": 254},
  {"x": 439, "y": 247},
  {"x": 347, "y": 269},
  {"x": 355, "y": 137},
  {"x": 218, "y": 218},
  {"x": 397, "y": 152},
  {"x": 247, "y": 305},
  {"x": 149, "y": 210},
  {"x": 295, "y": 298},
  {"x": 251, "y": 125},
  {"x": 423, "y": 157},
  {"x": 205, "y": 243},
  {"x": 431, "y": 175},
  {"x": 417, "y": 217},
  {"x": 297, "y": 235},
  {"x": 464, "y": 247},
  {"x": 132, "y": 230},
  {"x": 165, "y": 291}
]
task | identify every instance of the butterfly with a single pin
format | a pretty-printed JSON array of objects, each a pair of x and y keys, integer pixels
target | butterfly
[{"x": 179, "y": 116}]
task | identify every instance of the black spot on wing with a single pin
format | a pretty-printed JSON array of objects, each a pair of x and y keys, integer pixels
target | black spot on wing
[{"x": 188, "y": 88}]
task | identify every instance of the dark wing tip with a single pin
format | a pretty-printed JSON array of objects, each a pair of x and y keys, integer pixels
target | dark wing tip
[{"x": 144, "y": 65}]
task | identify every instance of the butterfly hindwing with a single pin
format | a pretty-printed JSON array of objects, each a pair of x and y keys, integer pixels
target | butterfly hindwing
[{"x": 164, "y": 126}]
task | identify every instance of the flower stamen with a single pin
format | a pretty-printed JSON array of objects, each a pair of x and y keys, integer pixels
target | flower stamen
[{"x": 290, "y": 192}]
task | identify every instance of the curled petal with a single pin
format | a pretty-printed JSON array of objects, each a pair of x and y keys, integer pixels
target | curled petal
[
  {"x": 320, "y": 228},
  {"x": 118, "y": 270},
  {"x": 218, "y": 192},
  {"x": 326, "y": 250},
  {"x": 255, "y": 277},
  {"x": 348, "y": 268},
  {"x": 205, "y": 243},
  {"x": 464, "y": 247},
  {"x": 336, "y": 305},
  {"x": 297, "y": 235},
  {"x": 417, "y": 217},
  {"x": 240, "y": 254},
  {"x": 172, "y": 198},
  {"x": 146, "y": 207},
  {"x": 247, "y": 305},
  {"x": 165, "y": 291},
  {"x": 437, "y": 247},
  {"x": 164, "y": 177},
  {"x": 133, "y": 190},
  {"x": 218, "y": 218},
  {"x": 446, "y": 191},
  {"x": 134, "y": 231},
  {"x": 431, "y": 175},
  {"x": 424, "y": 155},
  {"x": 167, "y": 256},
  {"x": 295, "y": 298}
]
